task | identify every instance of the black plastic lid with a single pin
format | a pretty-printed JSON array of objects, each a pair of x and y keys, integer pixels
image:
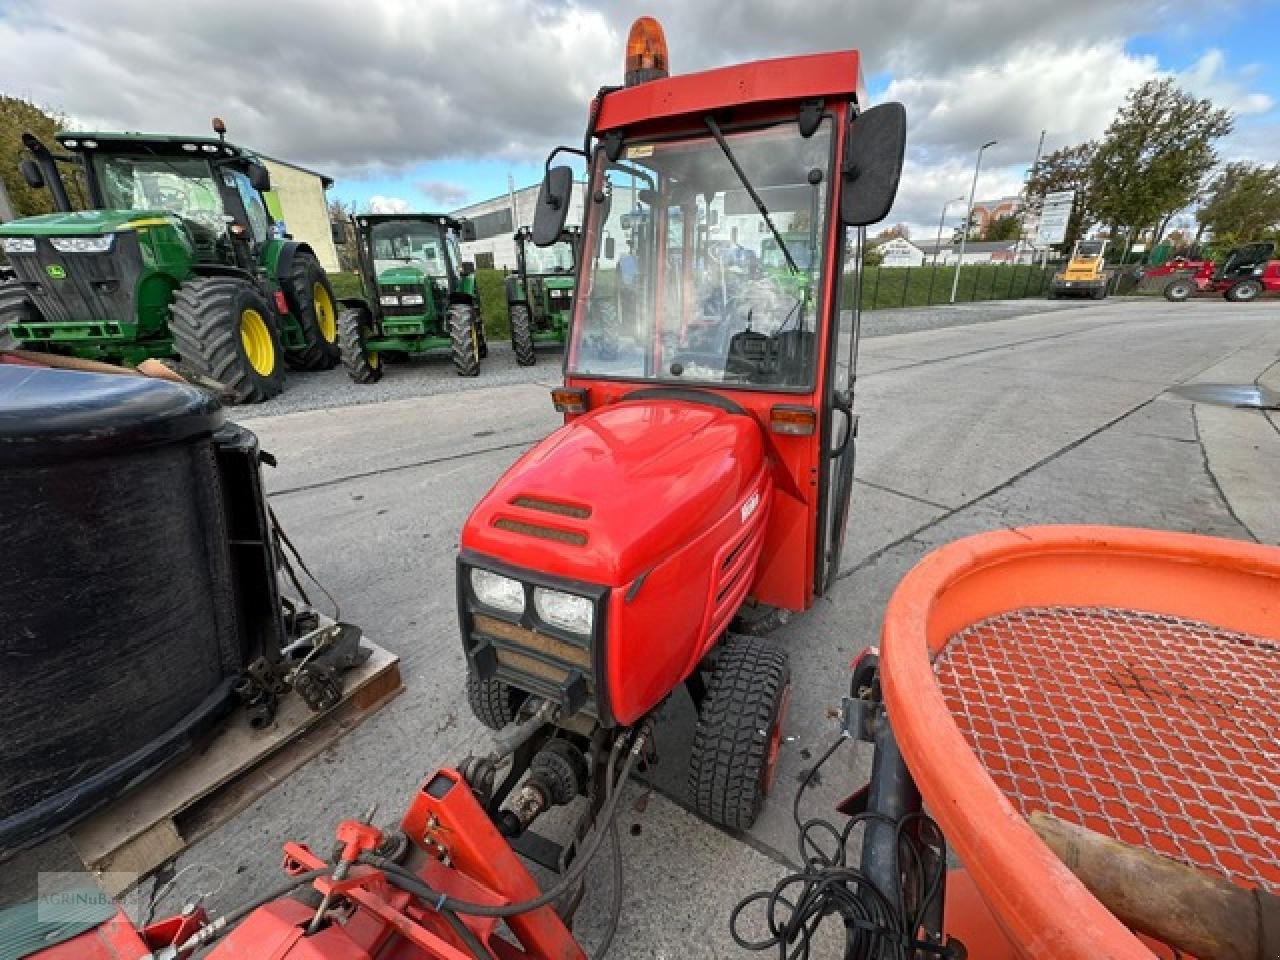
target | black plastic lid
[{"x": 50, "y": 415}]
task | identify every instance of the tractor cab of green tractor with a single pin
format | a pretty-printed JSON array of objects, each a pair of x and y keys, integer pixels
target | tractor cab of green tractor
[
  {"x": 175, "y": 254},
  {"x": 419, "y": 295},
  {"x": 540, "y": 292}
]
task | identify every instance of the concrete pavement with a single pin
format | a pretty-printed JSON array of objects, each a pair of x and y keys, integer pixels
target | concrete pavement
[{"x": 1061, "y": 416}]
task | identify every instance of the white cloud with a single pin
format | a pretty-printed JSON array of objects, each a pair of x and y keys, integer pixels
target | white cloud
[
  {"x": 444, "y": 193},
  {"x": 381, "y": 204},
  {"x": 1209, "y": 77}
]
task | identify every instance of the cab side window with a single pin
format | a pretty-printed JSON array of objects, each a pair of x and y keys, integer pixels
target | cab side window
[{"x": 259, "y": 220}]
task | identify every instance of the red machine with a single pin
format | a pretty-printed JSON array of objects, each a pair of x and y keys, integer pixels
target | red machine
[
  {"x": 1247, "y": 273},
  {"x": 704, "y": 468}
]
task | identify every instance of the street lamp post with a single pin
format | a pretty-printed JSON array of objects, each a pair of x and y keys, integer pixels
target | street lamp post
[
  {"x": 937, "y": 247},
  {"x": 968, "y": 217}
]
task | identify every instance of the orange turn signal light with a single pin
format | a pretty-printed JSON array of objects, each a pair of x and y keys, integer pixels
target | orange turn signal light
[
  {"x": 569, "y": 399},
  {"x": 646, "y": 52},
  {"x": 793, "y": 421}
]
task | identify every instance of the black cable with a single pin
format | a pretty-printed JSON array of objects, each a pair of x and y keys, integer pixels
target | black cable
[
  {"x": 879, "y": 925},
  {"x": 225, "y": 922},
  {"x": 284, "y": 538},
  {"x": 615, "y": 895}
]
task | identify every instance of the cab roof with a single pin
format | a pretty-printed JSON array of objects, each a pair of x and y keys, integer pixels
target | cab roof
[
  {"x": 163, "y": 142},
  {"x": 819, "y": 76},
  {"x": 443, "y": 219}
]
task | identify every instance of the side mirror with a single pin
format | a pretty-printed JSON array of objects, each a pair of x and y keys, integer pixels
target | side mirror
[
  {"x": 339, "y": 231},
  {"x": 553, "y": 206},
  {"x": 467, "y": 231},
  {"x": 608, "y": 248},
  {"x": 873, "y": 164},
  {"x": 31, "y": 174},
  {"x": 259, "y": 177}
]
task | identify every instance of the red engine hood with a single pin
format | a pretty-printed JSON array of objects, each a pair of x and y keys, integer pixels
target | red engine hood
[{"x": 612, "y": 493}]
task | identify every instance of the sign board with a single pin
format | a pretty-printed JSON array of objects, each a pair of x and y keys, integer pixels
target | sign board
[{"x": 1054, "y": 216}]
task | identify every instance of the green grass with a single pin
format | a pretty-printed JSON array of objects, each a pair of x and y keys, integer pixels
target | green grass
[{"x": 885, "y": 287}]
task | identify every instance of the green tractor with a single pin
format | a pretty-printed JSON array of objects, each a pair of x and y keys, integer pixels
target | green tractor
[
  {"x": 420, "y": 295},
  {"x": 176, "y": 255},
  {"x": 540, "y": 292}
]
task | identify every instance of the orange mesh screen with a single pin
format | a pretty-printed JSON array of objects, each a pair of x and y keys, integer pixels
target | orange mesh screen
[{"x": 1158, "y": 731}]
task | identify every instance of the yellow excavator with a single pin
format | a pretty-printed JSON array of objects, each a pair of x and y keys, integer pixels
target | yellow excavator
[{"x": 1083, "y": 276}]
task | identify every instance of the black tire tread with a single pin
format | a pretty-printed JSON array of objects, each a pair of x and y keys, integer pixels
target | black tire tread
[
  {"x": 494, "y": 703},
  {"x": 462, "y": 340},
  {"x": 522, "y": 335},
  {"x": 317, "y": 353},
  {"x": 204, "y": 336},
  {"x": 14, "y": 304},
  {"x": 355, "y": 356},
  {"x": 729, "y": 752}
]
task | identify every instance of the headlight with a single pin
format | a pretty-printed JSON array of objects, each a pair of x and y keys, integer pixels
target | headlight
[
  {"x": 1257, "y": 271},
  {"x": 18, "y": 244},
  {"x": 412, "y": 300},
  {"x": 564, "y": 610},
  {"x": 389, "y": 300},
  {"x": 82, "y": 244},
  {"x": 497, "y": 591}
]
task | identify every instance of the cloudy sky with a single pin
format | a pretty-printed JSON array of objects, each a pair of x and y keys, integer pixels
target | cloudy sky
[{"x": 433, "y": 103}]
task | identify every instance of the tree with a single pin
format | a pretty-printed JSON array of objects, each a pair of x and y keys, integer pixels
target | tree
[
  {"x": 1242, "y": 204},
  {"x": 1003, "y": 228},
  {"x": 1154, "y": 156},
  {"x": 1065, "y": 169},
  {"x": 897, "y": 231},
  {"x": 340, "y": 214},
  {"x": 16, "y": 118}
]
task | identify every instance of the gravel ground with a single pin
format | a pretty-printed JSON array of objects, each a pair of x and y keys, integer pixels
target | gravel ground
[{"x": 433, "y": 374}]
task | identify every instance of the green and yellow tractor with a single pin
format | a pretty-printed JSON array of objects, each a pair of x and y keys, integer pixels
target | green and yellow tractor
[
  {"x": 420, "y": 296},
  {"x": 540, "y": 292},
  {"x": 175, "y": 256}
]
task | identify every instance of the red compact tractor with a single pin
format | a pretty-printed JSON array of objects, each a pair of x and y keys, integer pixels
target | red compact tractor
[
  {"x": 704, "y": 465},
  {"x": 1246, "y": 274}
]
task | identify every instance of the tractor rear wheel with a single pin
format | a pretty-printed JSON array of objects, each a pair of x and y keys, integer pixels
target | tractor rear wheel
[
  {"x": 225, "y": 329},
  {"x": 1176, "y": 291},
  {"x": 317, "y": 315},
  {"x": 15, "y": 307},
  {"x": 494, "y": 703},
  {"x": 522, "y": 335},
  {"x": 739, "y": 731},
  {"x": 1246, "y": 291},
  {"x": 363, "y": 365},
  {"x": 464, "y": 342}
]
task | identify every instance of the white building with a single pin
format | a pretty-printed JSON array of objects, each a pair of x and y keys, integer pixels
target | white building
[{"x": 900, "y": 252}]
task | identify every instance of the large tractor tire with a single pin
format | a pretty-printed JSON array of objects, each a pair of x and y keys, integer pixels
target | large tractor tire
[
  {"x": 15, "y": 307},
  {"x": 224, "y": 329},
  {"x": 1244, "y": 291},
  {"x": 739, "y": 731},
  {"x": 494, "y": 703},
  {"x": 464, "y": 342},
  {"x": 317, "y": 315},
  {"x": 1178, "y": 291},
  {"x": 522, "y": 335},
  {"x": 362, "y": 364}
]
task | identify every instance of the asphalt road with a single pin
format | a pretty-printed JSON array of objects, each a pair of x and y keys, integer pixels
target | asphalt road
[{"x": 981, "y": 421}]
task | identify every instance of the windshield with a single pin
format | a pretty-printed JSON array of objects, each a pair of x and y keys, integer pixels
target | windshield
[
  {"x": 557, "y": 258},
  {"x": 686, "y": 281},
  {"x": 181, "y": 185},
  {"x": 1089, "y": 248},
  {"x": 400, "y": 243}
]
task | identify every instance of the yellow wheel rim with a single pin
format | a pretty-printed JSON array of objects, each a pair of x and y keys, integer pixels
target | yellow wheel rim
[
  {"x": 326, "y": 317},
  {"x": 255, "y": 337},
  {"x": 374, "y": 359}
]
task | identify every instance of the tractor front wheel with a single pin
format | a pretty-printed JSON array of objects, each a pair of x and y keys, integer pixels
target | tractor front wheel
[
  {"x": 494, "y": 703},
  {"x": 225, "y": 330},
  {"x": 15, "y": 307},
  {"x": 1246, "y": 291},
  {"x": 522, "y": 335},
  {"x": 362, "y": 364},
  {"x": 317, "y": 316},
  {"x": 464, "y": 342},
  {"x": 1177, "y": 291},
  {"x": 739, "y": 731}
]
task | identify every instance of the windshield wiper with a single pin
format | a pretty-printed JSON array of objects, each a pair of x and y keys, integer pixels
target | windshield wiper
[{"x": 751, "y": 191}]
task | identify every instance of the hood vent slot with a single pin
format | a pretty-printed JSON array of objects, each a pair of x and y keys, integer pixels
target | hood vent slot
[
  {"x": 571, "y": 537},
  {"x": 552, "y": 506}
]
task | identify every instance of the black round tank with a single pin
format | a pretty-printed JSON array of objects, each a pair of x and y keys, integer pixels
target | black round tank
[{"x": 117, "y": 624}]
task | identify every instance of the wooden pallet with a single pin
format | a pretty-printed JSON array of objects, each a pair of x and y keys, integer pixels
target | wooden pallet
[{"x": 234, "y": 767}]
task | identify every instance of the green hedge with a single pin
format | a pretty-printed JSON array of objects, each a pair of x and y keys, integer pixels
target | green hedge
[{"x": 884, "y": 287}]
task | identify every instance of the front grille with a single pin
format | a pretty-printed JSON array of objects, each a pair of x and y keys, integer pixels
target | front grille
[{"x": 96, "y": 289}]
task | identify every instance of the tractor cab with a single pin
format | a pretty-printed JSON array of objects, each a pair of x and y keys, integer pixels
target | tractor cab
[
  {"x": 1247, "y": 260},
  {"x": 1083, "y": 275},
  {"x": 540, "y": 292},
  {"x": 175, "y": 254},
  {"x": 418, "y": 289},
  {"x": 706, "y": 459}
]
